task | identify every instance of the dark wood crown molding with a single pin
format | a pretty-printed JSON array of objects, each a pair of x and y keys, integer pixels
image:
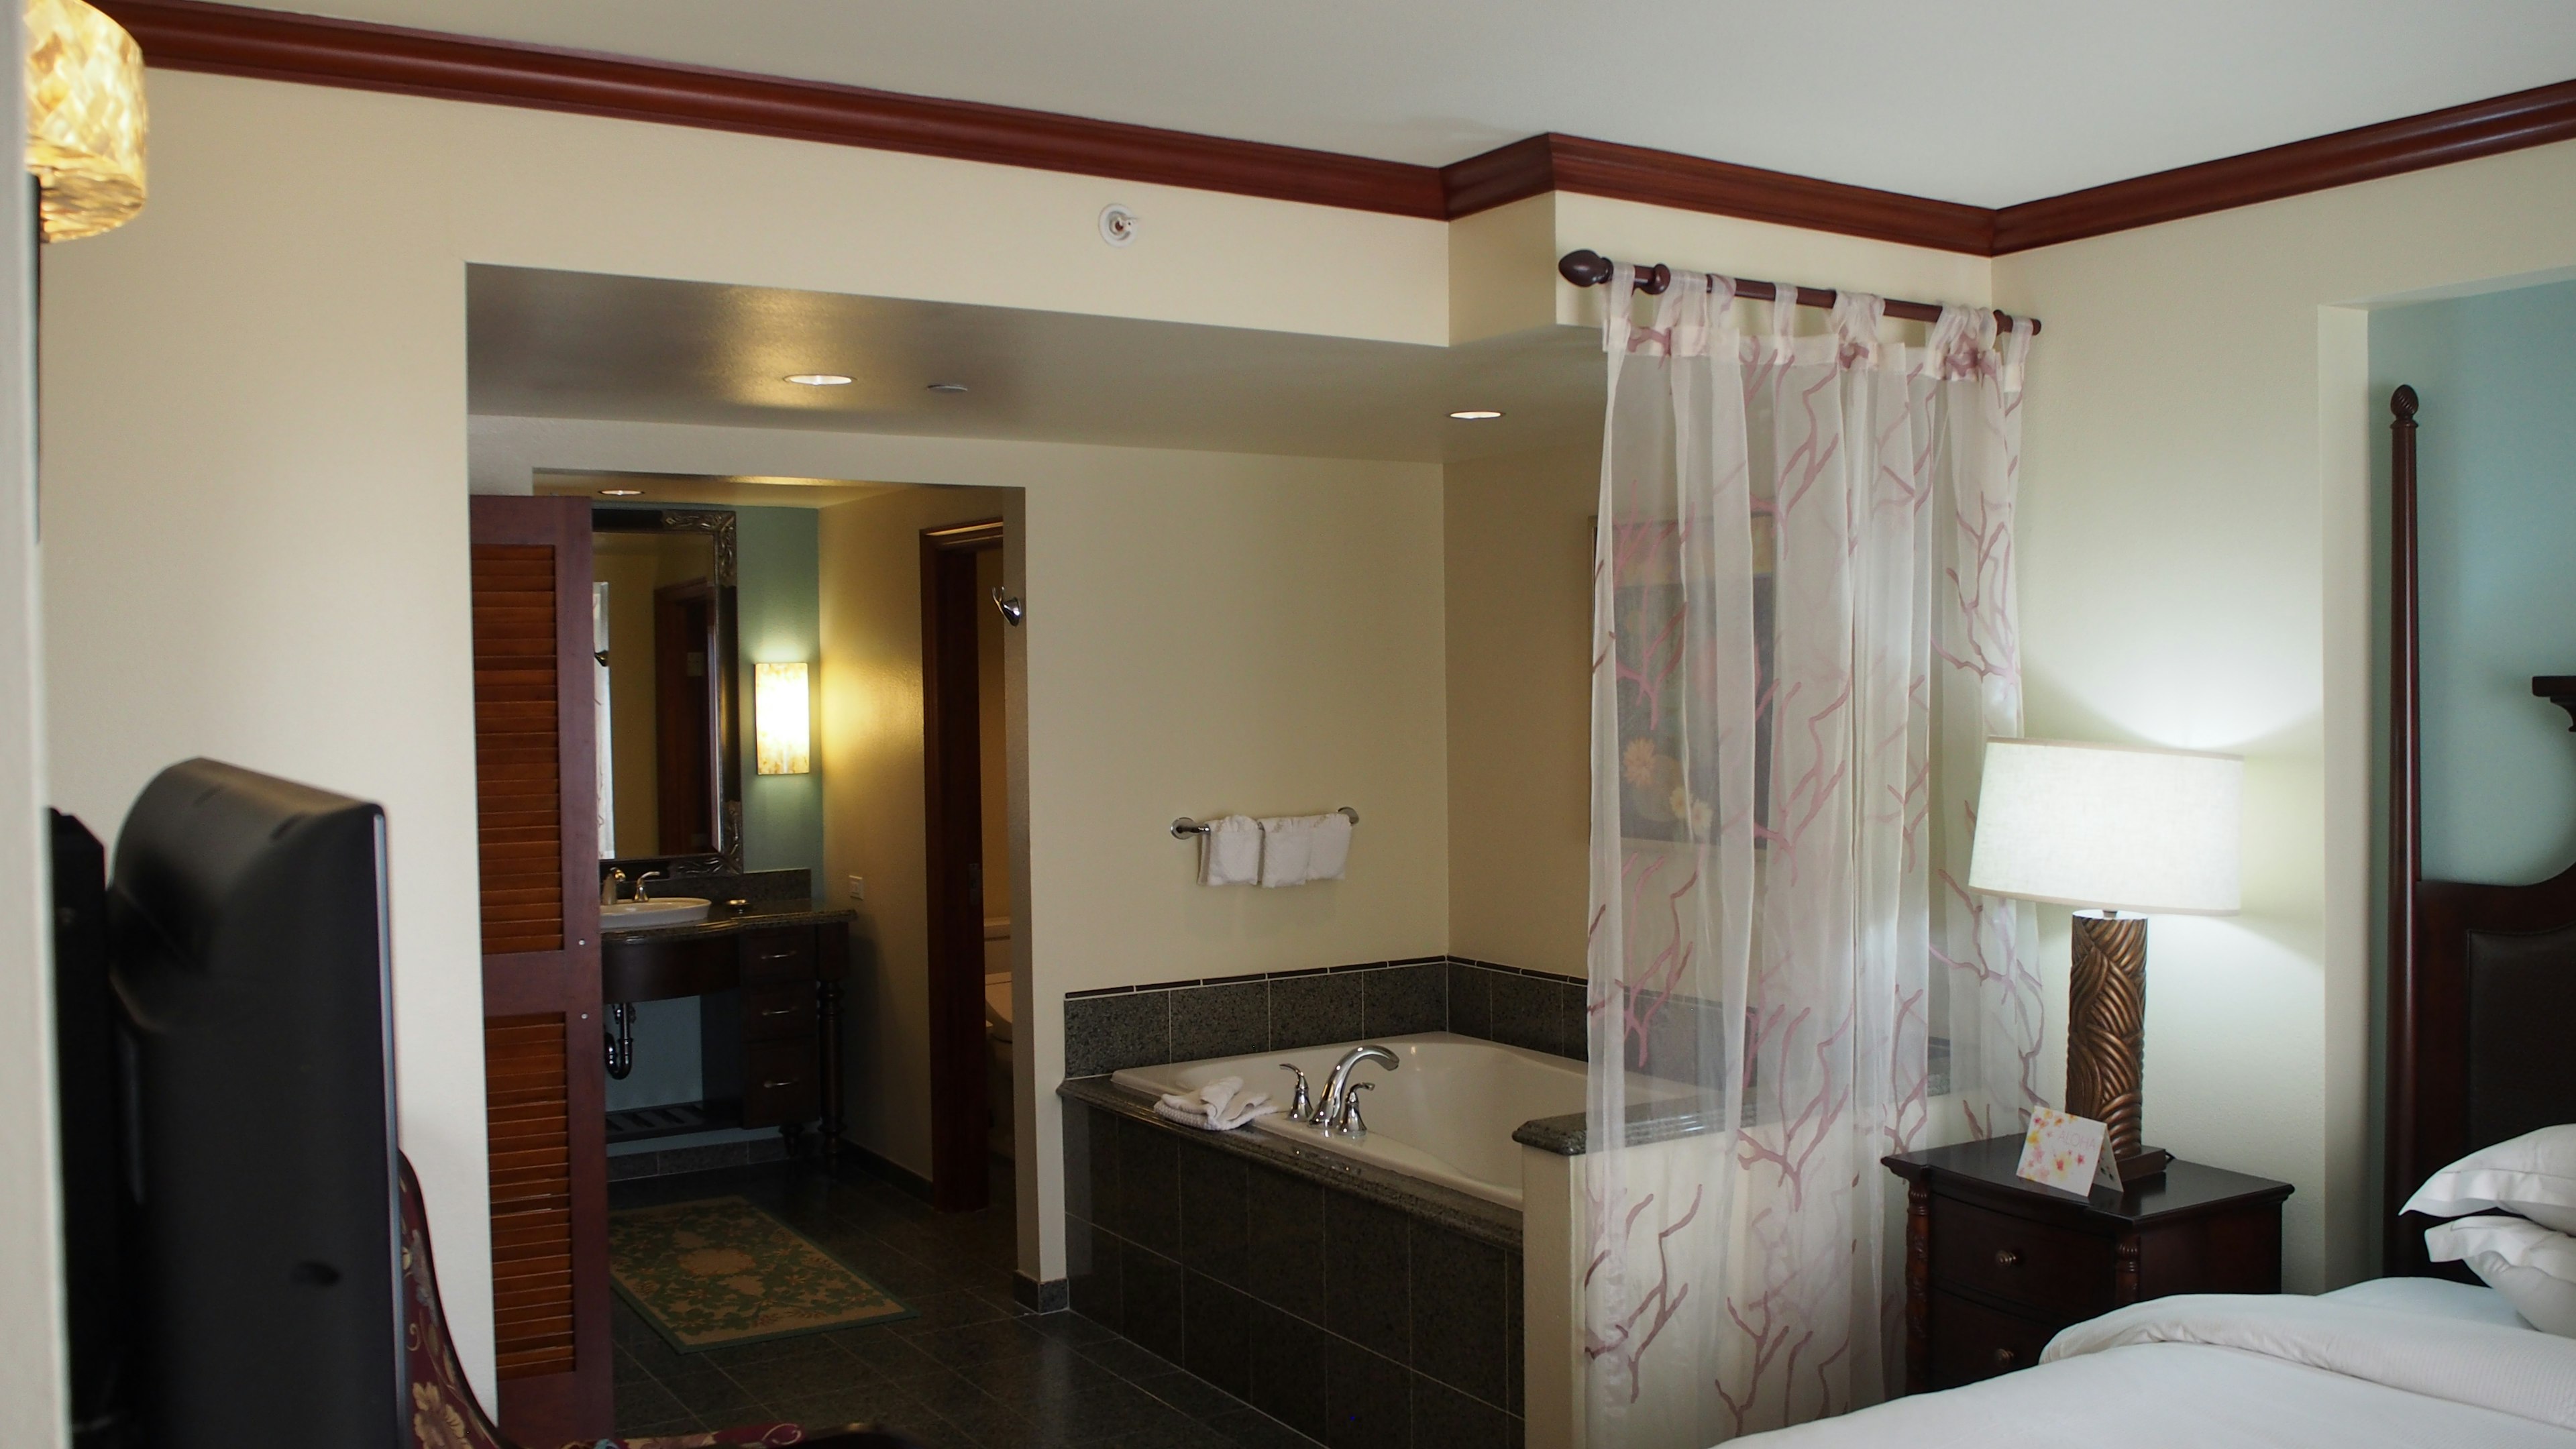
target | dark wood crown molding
[
  {"x": 280, "y": 45},
  {"x": 276, "y": 45},
  {"x": 1690, "y": 183},
  {"x": 2391, "y": 148}
]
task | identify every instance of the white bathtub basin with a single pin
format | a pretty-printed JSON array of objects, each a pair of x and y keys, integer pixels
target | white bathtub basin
[{"x": 1446, "y": 1114}]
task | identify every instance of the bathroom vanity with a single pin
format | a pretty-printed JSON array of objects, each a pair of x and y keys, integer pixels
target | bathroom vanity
[{"x": 768, "y": 978}]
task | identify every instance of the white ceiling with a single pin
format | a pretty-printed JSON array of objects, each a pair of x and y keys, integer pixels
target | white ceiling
[
  {"x": 1989, "y": 103},
  {"x": 547, "y": 344}
]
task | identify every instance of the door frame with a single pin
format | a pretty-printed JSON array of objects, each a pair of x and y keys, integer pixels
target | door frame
[{"x": 952, "y": 858}]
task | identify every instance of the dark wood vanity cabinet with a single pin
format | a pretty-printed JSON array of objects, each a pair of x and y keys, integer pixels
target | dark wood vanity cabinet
[{"x": 768, "y": 1015}]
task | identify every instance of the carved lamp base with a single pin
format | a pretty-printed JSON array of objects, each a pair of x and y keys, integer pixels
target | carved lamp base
[{"x": 2106, "y": 1037}]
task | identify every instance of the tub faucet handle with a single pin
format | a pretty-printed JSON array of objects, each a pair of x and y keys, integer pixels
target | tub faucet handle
[
  {"x": 1300, "y": 1106},
  {"x": 1351, "y": 1125}
]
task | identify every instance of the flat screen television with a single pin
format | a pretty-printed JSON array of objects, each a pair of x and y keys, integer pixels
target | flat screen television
[{"x": 247, "y": 946}]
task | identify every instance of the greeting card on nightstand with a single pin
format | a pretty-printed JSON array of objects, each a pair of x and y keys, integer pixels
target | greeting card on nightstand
[{"x": 2065, "y": 1152}]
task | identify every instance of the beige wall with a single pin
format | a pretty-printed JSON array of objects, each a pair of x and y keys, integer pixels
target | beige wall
[
  {"x": 256, "y": 457},
  {"x": 255, "y": 440},
  {"x": 1517, "y": 535},
  {"x": 874, "y": 809},
  {"x": 2194, "y": 543}
]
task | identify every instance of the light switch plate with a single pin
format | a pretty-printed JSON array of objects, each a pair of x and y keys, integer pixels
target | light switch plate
[{"x": 858, "y": 888}]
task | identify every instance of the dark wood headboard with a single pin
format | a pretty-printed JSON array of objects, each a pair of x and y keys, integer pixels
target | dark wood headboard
[{"x": 2481, "y": 978}]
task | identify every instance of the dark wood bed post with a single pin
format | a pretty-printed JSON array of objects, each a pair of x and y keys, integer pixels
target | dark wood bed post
[{"x": 2405, "y": 820}]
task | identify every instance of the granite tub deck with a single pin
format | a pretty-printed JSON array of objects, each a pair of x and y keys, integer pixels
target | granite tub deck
[{"x": 1356, "y": 1305}]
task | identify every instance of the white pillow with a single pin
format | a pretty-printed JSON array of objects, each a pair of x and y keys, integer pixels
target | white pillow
[
  {"x": 2534, "y": 1175},
  {"x": 2532, "y": 1267}
]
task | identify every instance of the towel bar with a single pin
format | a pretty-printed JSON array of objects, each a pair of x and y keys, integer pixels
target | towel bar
[{"x": 1185, "y": 827}]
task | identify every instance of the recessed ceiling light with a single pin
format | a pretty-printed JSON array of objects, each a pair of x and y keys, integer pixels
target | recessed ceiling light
[
  {"x": 818, "y": 379},
  {"x": 621, "y": 492},
  {"x": 948, "y": 387},
  {"x": 1474, "y": 415}
]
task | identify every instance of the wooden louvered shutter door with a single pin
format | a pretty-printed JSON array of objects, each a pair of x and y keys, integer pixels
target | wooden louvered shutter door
[{"x": 544, "y": 1098}]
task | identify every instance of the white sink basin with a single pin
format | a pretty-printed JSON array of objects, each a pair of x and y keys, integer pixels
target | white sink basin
[{"x": 660, "y": 911}]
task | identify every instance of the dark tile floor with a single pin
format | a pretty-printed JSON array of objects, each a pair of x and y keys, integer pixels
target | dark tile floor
[{"x": 974, "y": 1370}]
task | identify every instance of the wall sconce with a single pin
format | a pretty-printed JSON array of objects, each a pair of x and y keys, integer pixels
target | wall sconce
[
  {"x": 782, "y": 719},
  {"x": 85, "y": 119}
]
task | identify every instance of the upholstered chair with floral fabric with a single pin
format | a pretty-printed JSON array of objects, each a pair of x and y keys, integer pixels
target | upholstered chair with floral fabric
[{"x": 444, "y": 1414}]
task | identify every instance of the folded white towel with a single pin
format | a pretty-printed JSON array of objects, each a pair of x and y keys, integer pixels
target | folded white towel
[
  {"x": 1330, "y": 849},
  {"x": 1287, "y": 846},
  {"x": 1230, "y": 852},
  {"x": 1220, "y": 1106}
]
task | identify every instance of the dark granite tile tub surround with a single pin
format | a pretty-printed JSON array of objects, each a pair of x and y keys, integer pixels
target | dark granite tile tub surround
[
  {"x": 1187, "y": 1021},
  {"x": 1349, "y": 1319}
]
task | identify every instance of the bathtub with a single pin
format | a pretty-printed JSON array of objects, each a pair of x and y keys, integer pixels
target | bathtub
[{"x": 1446, "y": 1114}]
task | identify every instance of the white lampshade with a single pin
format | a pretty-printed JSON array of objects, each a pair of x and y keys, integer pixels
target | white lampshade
[
  {"x": 2114, "y": 826},
  {"x": 782, "y": 715}
]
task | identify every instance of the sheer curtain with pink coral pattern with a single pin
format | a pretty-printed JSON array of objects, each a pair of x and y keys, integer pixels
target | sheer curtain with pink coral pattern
[{"x": 1804, "y": 633}]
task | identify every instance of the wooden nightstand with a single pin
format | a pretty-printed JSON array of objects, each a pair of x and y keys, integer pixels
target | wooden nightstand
[{"x": 1995, "y": 1266}]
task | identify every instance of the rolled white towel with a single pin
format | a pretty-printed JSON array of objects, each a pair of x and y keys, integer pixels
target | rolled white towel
[
  {"x": 1220, "y": 1106},
  {"x": 1230, "y": 852},
  {"x": 1287, "y": 847},
  {"x": 1329, "y": 849}
]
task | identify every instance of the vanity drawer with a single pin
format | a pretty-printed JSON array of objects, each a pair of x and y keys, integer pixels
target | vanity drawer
[
  {"x": 777, "y": 1010},
  {"x": 778, "y": 956},
  {"x": 2059, "y": 1270},
  {"x": 1971, "y": 1341},
  {"x": 780, "y": 1082}
]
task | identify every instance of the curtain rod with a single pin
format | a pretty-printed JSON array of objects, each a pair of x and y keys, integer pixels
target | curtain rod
[{"x": 1590, "y": 269}]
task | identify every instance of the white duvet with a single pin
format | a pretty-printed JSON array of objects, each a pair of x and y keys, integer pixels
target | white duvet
[{"x": 2215, "y": 1371}]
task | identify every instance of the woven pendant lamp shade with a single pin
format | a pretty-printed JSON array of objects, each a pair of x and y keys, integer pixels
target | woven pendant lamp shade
[{"x": 85, "y": 118}]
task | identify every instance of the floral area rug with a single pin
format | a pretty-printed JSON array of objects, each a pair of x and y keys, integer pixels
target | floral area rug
[{"x": 721, "y": 1271}]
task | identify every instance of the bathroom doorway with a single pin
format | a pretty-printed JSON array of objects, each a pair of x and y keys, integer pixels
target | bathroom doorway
[{"x": 967, "y": 810}]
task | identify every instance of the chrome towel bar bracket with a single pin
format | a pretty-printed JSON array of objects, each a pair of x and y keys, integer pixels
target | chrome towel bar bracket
[{"x": 1185, "y": 827}]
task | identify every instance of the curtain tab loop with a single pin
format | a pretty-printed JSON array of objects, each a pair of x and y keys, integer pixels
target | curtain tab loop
[
  {"x": 1784, "y": 322},
  {"x": 1856, "y": 320}
]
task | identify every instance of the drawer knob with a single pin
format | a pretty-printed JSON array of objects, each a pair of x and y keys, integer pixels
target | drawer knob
[
  {"x": 2007, "y": 1258},
  {"x": 2005, "y": 1357}
]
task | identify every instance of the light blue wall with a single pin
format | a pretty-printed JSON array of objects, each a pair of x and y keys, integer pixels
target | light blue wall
[
  {"x": 779, "y": 620},
  {"x": 2497, "y": 446}
]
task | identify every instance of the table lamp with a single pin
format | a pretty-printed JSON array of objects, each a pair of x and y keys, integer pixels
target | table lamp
[{"x": 2115, "y": 829}]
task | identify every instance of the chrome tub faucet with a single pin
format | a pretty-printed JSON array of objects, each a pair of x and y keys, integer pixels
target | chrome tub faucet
[{"x": 1338, "y": 1111}]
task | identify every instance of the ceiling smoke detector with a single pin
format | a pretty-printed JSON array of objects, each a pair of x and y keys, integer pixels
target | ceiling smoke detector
[
  {"x": 948, "y": 387},
  {"x": 818, "y": 379}
]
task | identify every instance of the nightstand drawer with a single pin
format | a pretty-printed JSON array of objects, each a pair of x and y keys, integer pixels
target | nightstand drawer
[
  {"x": 1971, "y": 1341},
  {"x": 2061, "y": 1271}
]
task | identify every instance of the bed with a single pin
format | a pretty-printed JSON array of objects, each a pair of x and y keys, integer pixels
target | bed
[{"x": 2481, "y": 981}]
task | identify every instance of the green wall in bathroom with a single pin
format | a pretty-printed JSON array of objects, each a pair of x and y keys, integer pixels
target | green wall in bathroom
[
  {"x": 2497, "y": 510},
  {"x": 779, "y": 620}
]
